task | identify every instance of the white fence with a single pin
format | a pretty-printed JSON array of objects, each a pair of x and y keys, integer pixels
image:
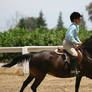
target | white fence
[{"x": 25, "y": 50}]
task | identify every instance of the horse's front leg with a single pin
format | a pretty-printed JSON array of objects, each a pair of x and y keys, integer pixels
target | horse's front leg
[{"x": 77, "y": 84}]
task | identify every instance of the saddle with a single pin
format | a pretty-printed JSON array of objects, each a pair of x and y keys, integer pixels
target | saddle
[{"x": 62, "y": 51}]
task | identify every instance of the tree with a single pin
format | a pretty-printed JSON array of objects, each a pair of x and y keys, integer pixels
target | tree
[
  {"x": 60, "y": 22},
  {"x": 29, "y": 23},
  {"x": 21, "y": 23},
  {"x": 83, "y": 23},
  {"x": 89, "y": 9},
  {"x": 41, "y": 21}
]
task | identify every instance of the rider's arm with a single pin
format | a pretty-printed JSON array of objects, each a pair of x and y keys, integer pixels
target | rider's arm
[
  {"x": 77, "y": 38},
  {"x": 71, "y": 35}
]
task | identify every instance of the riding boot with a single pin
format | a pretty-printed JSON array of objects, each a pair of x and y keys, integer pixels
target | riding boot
[{"x": 73, "y": 69}]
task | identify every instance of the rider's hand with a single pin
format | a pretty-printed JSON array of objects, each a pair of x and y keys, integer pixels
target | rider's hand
[
  {"x": 80, "y": 43},
  {"x": 75, "y": 46},
  {"x": 59, "y": 48}
]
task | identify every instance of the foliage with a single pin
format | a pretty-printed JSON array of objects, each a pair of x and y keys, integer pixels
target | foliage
[
  {"x": 41, "y": 21},
  {"x": 89, "y": 9},
  {"x": 83, "y": 23},
  {"x": 29, "y": 23},
  {"x": 60, "y": 22}
]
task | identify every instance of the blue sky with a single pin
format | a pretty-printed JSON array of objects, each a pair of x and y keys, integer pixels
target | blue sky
[{"x": 10, "y": 9}]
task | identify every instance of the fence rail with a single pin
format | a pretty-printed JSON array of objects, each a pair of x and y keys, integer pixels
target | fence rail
[{"x": 24, "y": 50}]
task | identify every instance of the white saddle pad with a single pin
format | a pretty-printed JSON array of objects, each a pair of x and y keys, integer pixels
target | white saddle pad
[
  {"x": 62, "y": 54},
  {"x": 56, "y": 50}
]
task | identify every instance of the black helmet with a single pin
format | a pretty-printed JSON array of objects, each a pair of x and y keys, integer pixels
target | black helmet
[{"x": 75, "y": 15}]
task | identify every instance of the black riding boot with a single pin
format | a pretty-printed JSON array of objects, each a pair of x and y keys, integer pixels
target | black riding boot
[{"x": 73, "y": 69}]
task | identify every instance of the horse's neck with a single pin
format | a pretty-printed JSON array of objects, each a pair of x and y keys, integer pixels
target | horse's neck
[{"x": 86, "y": 62}]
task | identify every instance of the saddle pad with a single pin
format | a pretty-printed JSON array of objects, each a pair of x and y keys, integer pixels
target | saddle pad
[
  {"x": 66, "y": 59},
  {"x": 58, "y": 52}
]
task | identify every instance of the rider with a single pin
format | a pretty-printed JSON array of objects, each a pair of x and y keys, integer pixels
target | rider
[{"x": 71, "y": 40}]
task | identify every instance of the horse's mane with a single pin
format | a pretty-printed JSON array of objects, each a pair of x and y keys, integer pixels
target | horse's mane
[
  {"x": 87, "y": 43},
  {"x": 87, "y": 48}
]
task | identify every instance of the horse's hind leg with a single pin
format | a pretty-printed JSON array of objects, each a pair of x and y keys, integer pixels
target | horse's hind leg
[
  {"x": 37, "y": 82},
  {"x": 26, "y": 82}
]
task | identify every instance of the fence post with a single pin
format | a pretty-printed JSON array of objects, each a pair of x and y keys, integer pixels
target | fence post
[{"x": 25, "y": 64}]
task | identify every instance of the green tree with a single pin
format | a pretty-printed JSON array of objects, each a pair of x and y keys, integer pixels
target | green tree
[
  {"x": 60, "y": 22},
  {"x": 89, "y": 9},
  {"x": 29, "y": 23},
  {"x": 41, "y": 21},
  {"x": 21, "y": 23},
  {"x": 83, "y": 23}
]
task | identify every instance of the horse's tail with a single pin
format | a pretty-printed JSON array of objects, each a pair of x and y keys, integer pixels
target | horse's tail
[{"x": 18, "y": 59}]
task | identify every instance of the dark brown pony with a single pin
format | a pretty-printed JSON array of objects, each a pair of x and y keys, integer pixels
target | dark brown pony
[{"x": 48, "y": 62}]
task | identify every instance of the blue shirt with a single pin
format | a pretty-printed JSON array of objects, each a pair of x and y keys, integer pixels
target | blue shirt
[{"x": 72, "y": 33}]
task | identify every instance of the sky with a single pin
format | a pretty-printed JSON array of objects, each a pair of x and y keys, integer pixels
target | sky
[{"x": 12, "y": 10}]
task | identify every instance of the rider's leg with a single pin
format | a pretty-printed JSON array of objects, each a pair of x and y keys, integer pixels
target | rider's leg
[
  {"x": 74, "y": 60},
  {"x": 70, "y": 49},
  {"x": 74, "y": 65}
]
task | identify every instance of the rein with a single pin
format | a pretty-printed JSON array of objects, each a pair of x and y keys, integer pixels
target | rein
[{"x": 83, "y": 49}]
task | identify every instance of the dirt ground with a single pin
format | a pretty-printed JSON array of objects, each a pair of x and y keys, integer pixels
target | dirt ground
[{"x": 11, "y": 80}]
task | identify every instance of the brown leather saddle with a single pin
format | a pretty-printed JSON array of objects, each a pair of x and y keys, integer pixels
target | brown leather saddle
[{"x": 68, "y": 56}]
